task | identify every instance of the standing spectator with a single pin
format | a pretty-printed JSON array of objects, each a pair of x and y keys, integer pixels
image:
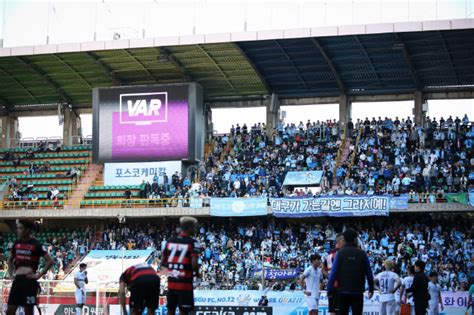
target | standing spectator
[
  {"x": 419, "y": 288},
  {"x": 350, "y": 269},
  {"x": 143, "y": 190}
]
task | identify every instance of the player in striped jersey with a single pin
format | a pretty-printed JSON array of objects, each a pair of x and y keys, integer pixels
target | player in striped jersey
[
  {"x": 180, "y": 257},
  {"x": 144, "y": 285},
  {"x": 333, "y": 299}
]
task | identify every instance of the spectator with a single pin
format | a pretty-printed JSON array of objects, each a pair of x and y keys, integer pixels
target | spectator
[{"x": 128, "y": 193}]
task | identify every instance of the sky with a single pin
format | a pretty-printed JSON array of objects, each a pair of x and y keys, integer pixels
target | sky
[{"x": 54, "y": 21}]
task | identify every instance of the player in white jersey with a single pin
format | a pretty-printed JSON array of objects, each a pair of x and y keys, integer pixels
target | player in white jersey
[
  {"x": 434, "y": 290},
  {"x": 310, "y": 281},
  {"x": 407, "y": 298},
  {"x": 80, "y": 280},
  {"x": 388, "y": 283}
]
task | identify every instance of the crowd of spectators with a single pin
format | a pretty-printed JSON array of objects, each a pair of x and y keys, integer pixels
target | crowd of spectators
[
  {"x": 385, "y": 157},
  {"x": 231, "y": 251},
  {"x": 248, "y": 163},
  {"x": 398, "y": 157}
]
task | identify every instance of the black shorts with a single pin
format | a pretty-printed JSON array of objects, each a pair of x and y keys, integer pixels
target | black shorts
[
  {"x": 333, "y": 301},
  {"x": 23, "y": 292},
  {"x": 145, "y": 295},
  {"x": 182, "y": 299}
]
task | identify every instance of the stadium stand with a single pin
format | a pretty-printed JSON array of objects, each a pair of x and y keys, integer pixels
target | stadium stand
[
  {"x": 380, "y": 156},
  {"x": 41, "y": 177},
  {"x": 399, "y": 157},
  {"x": 232, "y": 250}
]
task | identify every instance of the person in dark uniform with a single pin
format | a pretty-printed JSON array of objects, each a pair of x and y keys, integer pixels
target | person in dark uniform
[
  {"x": 23, "y": 262},
  {"x": 180, "y": 257},
  {"x": 350, "y": 269},
  {"x": 144, "y": 285},
  {"x": 419, "y": 288}
]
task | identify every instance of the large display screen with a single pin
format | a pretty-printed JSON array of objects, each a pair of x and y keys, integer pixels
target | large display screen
[{"x": 143, "y": 123}]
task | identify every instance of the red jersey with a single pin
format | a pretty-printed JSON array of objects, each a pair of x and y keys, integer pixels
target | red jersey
[
  {"x": 139, "y": 273},
  {"x": 27, "y": 253},
  {"x": 177, "y": 257},
  {"x": 330, "y": 261}
]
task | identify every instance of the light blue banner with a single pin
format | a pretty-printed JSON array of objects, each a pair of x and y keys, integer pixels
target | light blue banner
[
  {"x": 277, "y": 274},
  {"x": 238, "y": 207},
  {"x": 399, "y": 203},
  {"x": 195, "y": 202},
  {"x": 303, "y": 178},
  {"x": 471, "y": 197},
  {"x": 330, "y": 206}
]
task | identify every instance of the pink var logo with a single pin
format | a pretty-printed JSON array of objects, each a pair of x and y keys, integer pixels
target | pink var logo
[{"x": 144, "y": 108}]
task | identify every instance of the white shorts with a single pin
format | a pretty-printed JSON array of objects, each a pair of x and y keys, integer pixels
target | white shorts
[
  {"x": 433, "y": 309},
  {"x": 388, "y": 308},
  {"x": 80, "y": 296},
  {"x": 312, "y": 302}
]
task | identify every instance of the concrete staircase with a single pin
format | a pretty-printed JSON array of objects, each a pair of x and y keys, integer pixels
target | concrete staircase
[
  {"x": 345, "y": 152},
  {"x": 342, "y": 158},
  {"x": 94, "y": 174}
]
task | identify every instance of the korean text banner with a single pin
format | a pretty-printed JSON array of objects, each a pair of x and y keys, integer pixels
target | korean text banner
[
  {"x": 238, "y": 207},
  {"x": 135, "y": 173},
  {"x": 303, "y": 178},
  {"x": 330, "y": 206},
  {"x": 277, "y": 274}
]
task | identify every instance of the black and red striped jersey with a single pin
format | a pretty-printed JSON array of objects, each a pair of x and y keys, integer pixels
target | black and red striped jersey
[
  {"x": 27, "y": 253},
  {"x": 329, "y": 262},
  {"x": 139, "y": 273},
  {"x": 177, "y": 257}
]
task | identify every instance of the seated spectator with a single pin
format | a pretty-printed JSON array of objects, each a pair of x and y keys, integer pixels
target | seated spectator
[
  {"x": 72, "y": 173},
  {"x": 41, "y": 147},
  {"x": 7, "y": 156},
  {"x": 32, "y": 168},
  {"x": 17, "y": 161},
  {"x": 29, "y": 154},
  {"x": 128, "y": 193},
  {"x": 13, "y": 182},
  {"x": 33, "y": 203}
]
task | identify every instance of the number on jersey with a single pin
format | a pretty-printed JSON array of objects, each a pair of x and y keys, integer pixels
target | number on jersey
[{"x": 174, "y": 248}]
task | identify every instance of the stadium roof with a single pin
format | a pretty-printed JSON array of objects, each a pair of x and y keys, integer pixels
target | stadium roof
[{"x": 365, "y": 60}]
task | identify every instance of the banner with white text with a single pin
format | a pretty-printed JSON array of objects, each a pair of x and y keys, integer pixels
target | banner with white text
[
  {"x": 345, "y": 206},
  {"x": 238, "y": 207}
]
